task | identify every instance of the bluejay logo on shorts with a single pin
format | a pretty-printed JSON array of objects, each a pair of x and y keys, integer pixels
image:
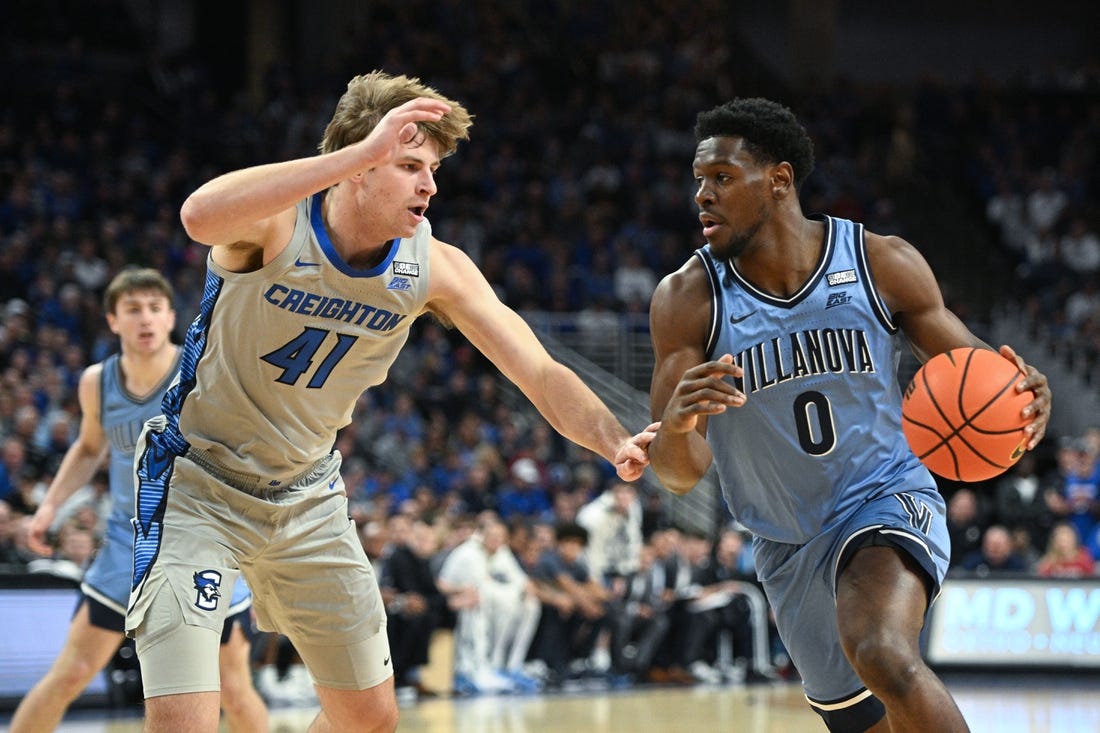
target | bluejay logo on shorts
[{"x": 207, "y": 584}]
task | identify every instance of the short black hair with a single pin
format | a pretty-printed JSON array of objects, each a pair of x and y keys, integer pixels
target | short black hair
[
  {"x": 771, "y": 132},
  {"x": 571, "y": 531}
]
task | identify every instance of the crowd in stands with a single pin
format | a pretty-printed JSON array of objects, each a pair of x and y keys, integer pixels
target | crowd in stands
[{"x": 573, "y": 196}]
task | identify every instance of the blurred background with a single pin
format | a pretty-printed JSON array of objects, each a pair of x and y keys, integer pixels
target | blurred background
[{"x": 973, "y": 132}]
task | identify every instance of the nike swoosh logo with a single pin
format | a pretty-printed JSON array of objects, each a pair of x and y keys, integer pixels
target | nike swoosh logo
[
  {"x": 1019, "y": 451},
  {"x": 332, "y": 485},
  {"x": 734, "y": 320},
  {"x": 385, "y": 661},
  {"x": 299, "y": 263}
]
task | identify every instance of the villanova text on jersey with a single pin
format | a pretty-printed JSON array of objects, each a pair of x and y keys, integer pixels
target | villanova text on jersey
[
  {"x": 802, "y": 354},
  {"x": 820, "y": 432}
]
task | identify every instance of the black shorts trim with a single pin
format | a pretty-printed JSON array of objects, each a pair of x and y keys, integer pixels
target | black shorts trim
[{"x": 104, "y": 617}]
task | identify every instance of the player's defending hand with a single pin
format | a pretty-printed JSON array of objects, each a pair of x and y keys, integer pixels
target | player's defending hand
[
  {"x": 633, "y": 455},
  {"x": 703, "y": 390},
  {"x": 397, "y": 129},
  {"x": 1039, "y": 408}
]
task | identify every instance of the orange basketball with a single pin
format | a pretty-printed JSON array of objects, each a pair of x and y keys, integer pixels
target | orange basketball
[{"x": 963, "y": 416}]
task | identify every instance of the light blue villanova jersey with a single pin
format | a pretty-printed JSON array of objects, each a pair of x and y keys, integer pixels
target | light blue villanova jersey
[
  {"x": 820, "y": 432},
  {"x": 122, "y": 416}
]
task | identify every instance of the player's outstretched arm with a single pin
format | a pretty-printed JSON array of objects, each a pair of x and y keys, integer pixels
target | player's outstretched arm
[
  {"x": 78, "y": 466},
  {"x": 907, "y": 284},
  {"x": 459, "y": 294}
]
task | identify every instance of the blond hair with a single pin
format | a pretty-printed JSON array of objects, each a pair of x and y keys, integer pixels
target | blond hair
[
  {"x": 133, "y": 280},
  {"x": 370, "y": 96}
]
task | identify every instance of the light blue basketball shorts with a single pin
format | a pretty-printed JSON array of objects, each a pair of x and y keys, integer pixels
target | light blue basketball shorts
[{"x": 800, "y": 582}]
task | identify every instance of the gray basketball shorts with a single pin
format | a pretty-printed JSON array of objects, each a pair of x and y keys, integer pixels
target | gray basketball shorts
[
  {"x": 800, "y": 583},
  {"x": 298, "y": 551}
]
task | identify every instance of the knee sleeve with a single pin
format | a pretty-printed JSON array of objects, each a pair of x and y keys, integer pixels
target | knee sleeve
[{"x": 851, "y": 717}]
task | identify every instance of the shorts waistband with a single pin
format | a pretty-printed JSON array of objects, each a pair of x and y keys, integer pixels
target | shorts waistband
[{"x": 248, "y": 482}]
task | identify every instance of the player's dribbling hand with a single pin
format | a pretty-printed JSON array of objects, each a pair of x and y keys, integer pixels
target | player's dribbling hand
[
  {"x": 1039, "y": 409},
  {"x": 633, "y": 455},
  {"x": 703, "y": 390}
]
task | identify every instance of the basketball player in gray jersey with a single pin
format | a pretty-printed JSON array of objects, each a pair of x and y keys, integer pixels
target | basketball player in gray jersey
[
  {"x": 117, "y": 396},
  {"x": 316, "y": 271},
  {"x": 777, "y": 347}
]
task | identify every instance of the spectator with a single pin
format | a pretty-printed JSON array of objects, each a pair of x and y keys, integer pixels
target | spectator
[
  {"x": 964, "y": 524},
  {"x": 995, "y": 556},
  {"x": 574, "y": 605},
  {"x": 640, "y": 626},
  {"x": 673, "y": 573},
  {"x": 414, "y": 605},
  {"x": 1077, "y": 500},
  {"x": 1019, "y": 501},
  {"x": 721, "y": 605},
  {"x": 525, "y": 495},
  {"x": 1081, "y": 247},
  {"x": 634, "y": 280},
  {"x": 1023, "y": 546},
  {"x": 11, "y": 559},
  {"x": 1065, "y": 556},
  {"x": 13, "y": 464},
  {"x": 517, "y": 633},
  {"x": 614, "y": 524},
  {"x": 1046, "y": 201},
  {"x": 489, "y": 606},
  {"x": 375, "y": 537}
]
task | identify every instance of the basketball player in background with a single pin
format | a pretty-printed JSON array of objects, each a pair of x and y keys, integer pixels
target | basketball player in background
[
  {"x": 777, "y": 347},
  {"x": 116, "y": 397},
  {"x": 317, "y": 269}
]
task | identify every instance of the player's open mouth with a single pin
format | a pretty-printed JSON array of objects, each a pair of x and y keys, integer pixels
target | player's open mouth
[
  {"x": 710, "y": 224},
  {"x": 418, "y": 211}
]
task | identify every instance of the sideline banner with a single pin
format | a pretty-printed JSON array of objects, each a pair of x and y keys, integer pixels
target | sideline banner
[{"x": 1015, "y": 621}]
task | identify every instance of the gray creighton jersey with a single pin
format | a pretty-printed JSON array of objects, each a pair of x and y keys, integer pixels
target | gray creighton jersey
[{"x": 276, "y": 358}]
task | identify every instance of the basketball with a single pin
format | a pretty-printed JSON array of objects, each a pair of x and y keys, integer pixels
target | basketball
[{"x": 962, "y": 415}]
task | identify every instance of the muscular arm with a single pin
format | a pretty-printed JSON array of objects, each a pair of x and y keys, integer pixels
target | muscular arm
[
  {"x": 460, "y": 294},
  {"x": 906, "y": 283},
  {"x": 685, "y": 387},
  {"x": 78, "y": 466},
  {"x": 247, "y": 213},
  {"x": 913, "y": 296}
]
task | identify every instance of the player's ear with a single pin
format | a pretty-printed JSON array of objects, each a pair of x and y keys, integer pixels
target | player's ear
[{"x": 782, "y": 178}]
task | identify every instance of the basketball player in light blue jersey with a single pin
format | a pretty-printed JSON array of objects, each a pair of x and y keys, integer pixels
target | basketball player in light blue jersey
[
  {"x": 116, "y": 397},
  {"x": 317, "y": 269},
  {"x": 777, "y": 347}
]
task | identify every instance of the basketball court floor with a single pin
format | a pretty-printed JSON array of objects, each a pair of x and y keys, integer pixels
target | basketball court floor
[{"x": 999, "y": 704}]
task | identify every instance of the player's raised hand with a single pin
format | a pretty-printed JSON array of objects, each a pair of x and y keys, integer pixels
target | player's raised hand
[
  {"x": 703, "y": 390},
  {"x": 398, "y": 128}
]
